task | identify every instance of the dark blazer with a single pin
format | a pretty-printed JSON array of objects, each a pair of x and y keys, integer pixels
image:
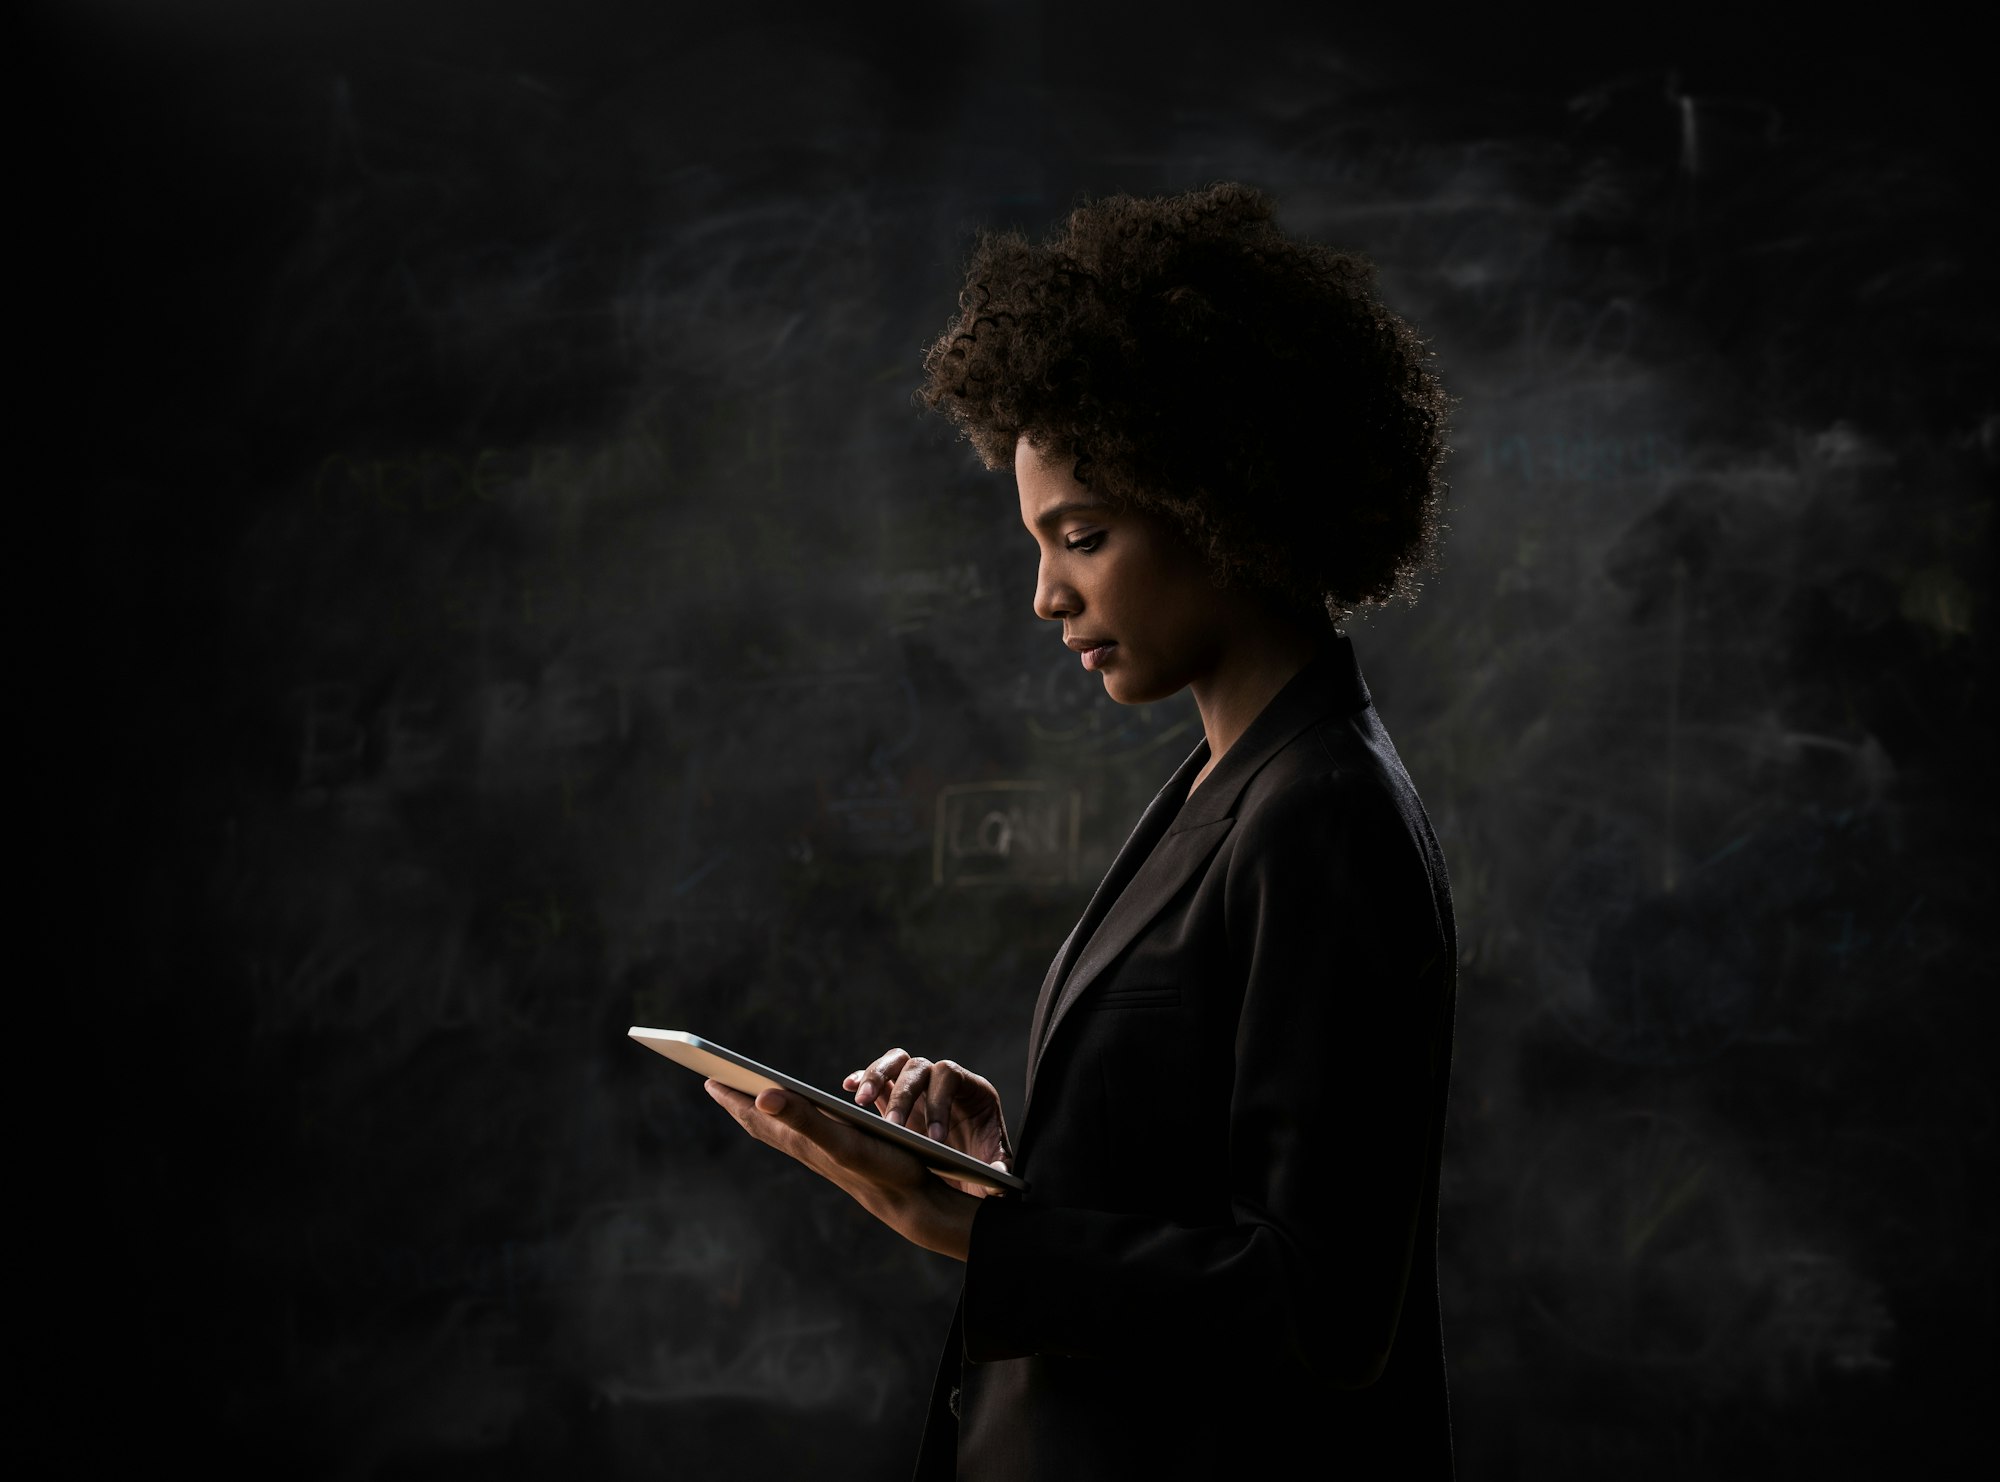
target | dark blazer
[{"x": 1234, "y": 1116}]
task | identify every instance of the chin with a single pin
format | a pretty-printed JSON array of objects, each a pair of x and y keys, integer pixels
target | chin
[{"x": 1133, "y": 689}]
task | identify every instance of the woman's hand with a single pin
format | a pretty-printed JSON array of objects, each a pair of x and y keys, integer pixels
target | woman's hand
[
  {"x": 889, "y": 1183},
  {"x": 942, "y": 1099}
]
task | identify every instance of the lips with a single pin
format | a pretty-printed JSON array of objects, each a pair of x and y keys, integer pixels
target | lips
[{"x": 1094, "y": 650}]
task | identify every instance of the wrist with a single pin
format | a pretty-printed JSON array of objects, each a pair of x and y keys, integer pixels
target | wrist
[{"x": 944, "y": 1223}]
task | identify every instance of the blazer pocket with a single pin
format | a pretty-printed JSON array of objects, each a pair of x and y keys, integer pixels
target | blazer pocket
[{"x": 1138, "y": 996}]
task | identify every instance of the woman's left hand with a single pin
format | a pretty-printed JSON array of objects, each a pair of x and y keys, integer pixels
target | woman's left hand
[{"x": 889, "y": 1183}]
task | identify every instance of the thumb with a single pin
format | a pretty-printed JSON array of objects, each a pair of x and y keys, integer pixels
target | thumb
[{"x": 794, "y": 1112}]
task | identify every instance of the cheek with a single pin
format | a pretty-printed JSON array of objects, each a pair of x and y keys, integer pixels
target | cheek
[
  {"x": 1184, "y": 616},
  {"x": 1174, "y": 581}
]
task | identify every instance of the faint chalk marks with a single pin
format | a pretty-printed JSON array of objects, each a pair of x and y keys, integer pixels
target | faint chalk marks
[
  {"x": 808, "y": 1365},
  {"x": 315, "y": 986},
  {"x": 915, "y": 595},
  {"x": 847, "y": 735},
  {"x": 1064, "y": 709},
  {"x": 1640, "y": 974},
  {"x": 1642, "y": 1242},
  {"x": 1006, "y": 833},
  {"x": 700, "y": 872},
  {"x": 1059, "y": 705},
  {"x": 691, "y": 867},
  {"x": 872, "y": 806},
  {"x": 676, "y": 1282},
  {"x": 1146, "y": 745},
  {"x": 1823, "y": 1315},
  {"x": 1634, "y": 1247},
  {"x": 1668, "y": 862},
  {"x": 1593, "y": 457},
  {"x": 874, "y": 814}
]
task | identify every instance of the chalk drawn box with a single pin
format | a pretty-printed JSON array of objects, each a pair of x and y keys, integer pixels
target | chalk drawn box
[{"x": 1006, "y": 833}]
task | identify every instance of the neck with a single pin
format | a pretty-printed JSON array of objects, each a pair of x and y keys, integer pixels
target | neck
[{"x": 1252, "y": 669}]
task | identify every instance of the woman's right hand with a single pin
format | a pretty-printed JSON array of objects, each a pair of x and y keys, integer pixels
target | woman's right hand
[{"x": 941, "y": 1098}]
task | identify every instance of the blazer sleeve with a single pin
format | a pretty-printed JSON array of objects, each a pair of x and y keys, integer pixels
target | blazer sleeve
[{"x": 1334, "y": 932}]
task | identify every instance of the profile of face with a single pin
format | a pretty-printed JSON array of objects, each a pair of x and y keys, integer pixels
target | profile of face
[{"x": 1136, "y": 601}]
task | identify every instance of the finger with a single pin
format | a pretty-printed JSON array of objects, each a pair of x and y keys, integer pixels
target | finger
[
  {"x": 913, "y": 1113},
  {"x": 743, "y": 1108},
  {"x": 946, "y": 1084},
  {"x": 869, "y": 1083},
  {"x": 787, "y": 1123},
  {"x": 790, "y": 1118},
  {"x": 909, "y": 1088},
  {"x": 763, "y": 1116}
]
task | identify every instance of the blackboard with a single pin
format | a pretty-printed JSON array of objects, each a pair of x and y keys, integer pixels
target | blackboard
[{"x": 527, "y": 603}]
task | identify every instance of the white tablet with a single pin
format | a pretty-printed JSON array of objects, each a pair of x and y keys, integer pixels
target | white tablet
[{"x": 747, "y": 1076}]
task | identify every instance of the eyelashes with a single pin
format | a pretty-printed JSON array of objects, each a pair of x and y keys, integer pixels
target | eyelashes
[{"x": 1085, "y": 543}]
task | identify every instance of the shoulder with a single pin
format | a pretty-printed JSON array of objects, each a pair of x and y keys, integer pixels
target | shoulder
[
  {"x": 1332, "y": 829},
  {"x": 1331, "y": 855},
  {"x": 1339, "y": 778}
]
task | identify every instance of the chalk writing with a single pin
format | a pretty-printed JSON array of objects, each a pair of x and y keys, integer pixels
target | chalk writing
[
  {"x": 1578, "y": 458},
  {"x": 995, "y": 833}
]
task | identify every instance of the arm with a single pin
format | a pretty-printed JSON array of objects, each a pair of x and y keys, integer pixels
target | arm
[{"x": 1330, "y": 926}]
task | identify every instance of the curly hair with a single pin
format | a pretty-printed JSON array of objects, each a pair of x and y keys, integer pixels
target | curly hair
[{"x": 1199, "y": 365}]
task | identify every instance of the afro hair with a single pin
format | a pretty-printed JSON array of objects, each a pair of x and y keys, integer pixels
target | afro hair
[{"x": 1197, "y": 364}]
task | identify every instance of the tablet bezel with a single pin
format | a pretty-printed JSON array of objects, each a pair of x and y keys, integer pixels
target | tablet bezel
[{"x": 718, "y": 1062}]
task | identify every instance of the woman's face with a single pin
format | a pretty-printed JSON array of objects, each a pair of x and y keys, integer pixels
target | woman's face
[{"x": 1135, "y": 600}]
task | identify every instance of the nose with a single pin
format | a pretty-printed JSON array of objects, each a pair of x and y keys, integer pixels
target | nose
[{"x": 1055, "y": 599}]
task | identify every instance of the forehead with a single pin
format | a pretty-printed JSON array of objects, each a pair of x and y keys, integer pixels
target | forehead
[{"x": 1049, "y": 489}]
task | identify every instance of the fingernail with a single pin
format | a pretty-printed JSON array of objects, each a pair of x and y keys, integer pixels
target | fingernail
[
  {"x": 893, "y": 1116},
  {"x": 937, "y": 1132}
]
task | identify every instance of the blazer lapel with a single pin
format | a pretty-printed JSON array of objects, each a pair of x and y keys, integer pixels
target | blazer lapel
[
  {"x": 1150, "y": 870},
  {"x": 1166, "y": 868},
  {"x": 1152, "y": 823}
]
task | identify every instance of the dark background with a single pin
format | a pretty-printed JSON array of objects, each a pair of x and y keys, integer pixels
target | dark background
[{"x": 525, "y": 602}]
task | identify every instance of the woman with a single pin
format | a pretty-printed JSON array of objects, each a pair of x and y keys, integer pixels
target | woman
[{"x": 1225, "y": 1260}]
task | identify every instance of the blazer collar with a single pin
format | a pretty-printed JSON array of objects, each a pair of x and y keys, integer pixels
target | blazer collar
[
  {"x": 1154, "y": 864},
  {"x": 1329, "y": 684}
]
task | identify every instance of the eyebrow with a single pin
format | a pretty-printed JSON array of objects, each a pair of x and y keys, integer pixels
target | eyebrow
[{"x": 1070, "y": 507}]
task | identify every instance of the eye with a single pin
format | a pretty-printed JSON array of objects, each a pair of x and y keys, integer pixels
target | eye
[{"x": 1088, "y": 542}]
